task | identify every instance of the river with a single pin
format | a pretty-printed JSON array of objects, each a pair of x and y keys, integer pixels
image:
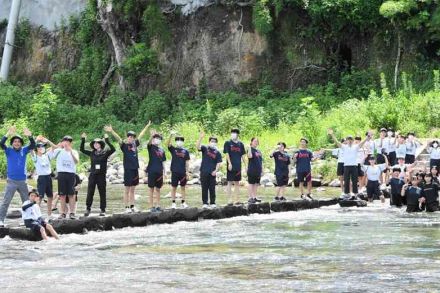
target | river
[{"x": 374, "y": 249}]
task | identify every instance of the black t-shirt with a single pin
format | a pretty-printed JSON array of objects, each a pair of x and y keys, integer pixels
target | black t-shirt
[
  {"x": 255, "y": 166},
  {"x": 210, "y": 158},
  {"x": 236, "y": 151},
  {"x": 396, "y": 185},
  {"x": 130, "y": 151},
  {"x": 282, "y": 162},
  {"x": 179, "y": 156},
  {"x": 430, "y": 192},
  {"x": 98, "y": 160},
  {"x": 412, "y": 195},
  {"x": 303, "y": 160},
  {"x": 156, "y": 157}
]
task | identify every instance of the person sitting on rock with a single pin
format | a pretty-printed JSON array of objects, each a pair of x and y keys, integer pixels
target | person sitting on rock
[
  {"x": 211, "y": 162},
  {"x": 129, "y": 150},
  {"x": 98, "y": 170},
  {"x": 155, "y": 170},
  {"x": 16, "y": 168},
  {"x": 413, "y": 194},
  {"x": 32, "y": 218},
  {"x": 179, "y": 168}
]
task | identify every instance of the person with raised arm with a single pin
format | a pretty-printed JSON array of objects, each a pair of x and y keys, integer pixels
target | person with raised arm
[
  {"x": 211, "y": 162},
  {"x": 98, "y": 170},
  {"x": 255, "y": 170},
  {"x": 155, "y": 170},
  {"x": 350, "y": 153},
  {"x": 16, "y": 168},
  {"x": 129, "y": 149},
  {"x": 179, "y": 168},
  {"x": 282, "y": 171}
]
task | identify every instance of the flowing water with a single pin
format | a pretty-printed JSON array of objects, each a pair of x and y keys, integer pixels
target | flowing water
[{"x": 373, "y": 249}]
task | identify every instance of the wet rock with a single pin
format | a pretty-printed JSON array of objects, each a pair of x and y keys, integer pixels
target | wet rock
[
  {"x": 234, "y": 211},
  {"x": 121, "y": 221},
  {"x": 283, "y": 206},
  {"x": 67, "y": 226},
  {"x": 14, "y": 214},
  {"x": 329, "y": 202},
  {"x": 24, "y": 234},
  {"x": 210, "y": 214},
  {"x": 259, "y": 208},
  {"x": 98, "y": 223},
  {"x": 4, "y": 232},
  {"x": 352, "y": 203},
  {"x": 189, "y": 214},
  {"x": 139, "y": 219}
]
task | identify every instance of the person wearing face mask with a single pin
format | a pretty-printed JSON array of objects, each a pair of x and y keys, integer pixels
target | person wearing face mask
[
  {"x": 401, "y": 146},
  {"x": 390, "y": 146},
  {"x": 234, "y": 151},
  {"x": 255, "y": 169},
  {"x": 211, "y": 162},
  {"x": 340, "y": 168},
  {"x": 98, "y": 170},
  {"x": 43, "y": 169},
  {"x": 434, "y": 154},
  {"x": 303, "y": 159},
  {"x": 179, "y": 168},
  {"x": 350, "y": 150},
  {"x": 155, "y": 170},
  {"x": 282, "y": 172},
  {"x": 16, "y": 168},
  {"x": 129, "y": 150},
  {"x": 381, "y": 151},
  {"x": 412, "y": 144}
]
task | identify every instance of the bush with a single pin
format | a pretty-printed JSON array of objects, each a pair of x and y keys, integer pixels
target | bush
[{"x": 155, "y": 107}]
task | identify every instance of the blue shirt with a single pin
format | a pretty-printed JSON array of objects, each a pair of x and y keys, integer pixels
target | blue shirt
[
  {"x": 396, "y": 185},
  {"x": 179, "y": 156},
  {"x": 282, "y": 162},
  {"x": 210, "y": 158},
  {"x": 156, "y": 157},
  {"x": 303, "y": 160},
  {"x": 255, "y": 166},
  {"x": 130, "y": 154},
  {"x": 235, "y": 150},
  {"x": 412, "y": 195},
  {"x": 16, "y": 159}
]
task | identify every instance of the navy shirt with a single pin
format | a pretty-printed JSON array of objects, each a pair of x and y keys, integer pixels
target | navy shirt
[
  {"x": 130, "y": 151},
  {"x": 210, "y": 158},
  {"x": 412, "y": 195},
  {"x": 303, "y": 160},
  {"x": 396, "y": 185},
  {"x": 255, "y": 166},
  {"x": 282, "y": 162},
  {"x": 430, "y": 192},
  {"x": 156, "y": 157},
  {"x": 179, "y": 156},
  {"x": 235, "y": 150}
]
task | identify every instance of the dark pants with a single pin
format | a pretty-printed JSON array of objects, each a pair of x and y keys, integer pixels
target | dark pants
[
  {"x": 396, "y": 199},
  {"x": 350, "y": 172},
  {"x": 434, "y": 162},
  {"x": 373, "y": 190},
  {"x": 208, "y": 185},
  {"x": 97, "y": 180}
]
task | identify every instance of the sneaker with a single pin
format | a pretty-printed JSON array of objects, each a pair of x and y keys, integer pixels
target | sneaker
[
  {"x": 72, "y": 216},
  {"x": 251, "y": 200},
  {"x": 153, "y": 210},
  {"x": 344, "y": 196},
  {"x": 303, "y": 196},
  {"x": 2, "y": 224},
  {"x": 276, "y": 198},
  {"x": 213, "y": 206},
  {"x": 62, "y": 216},
  {"x": 230, "y": 203},
  {"x": 134, "y": 210},
  {"x": 204, "y": 206},
  {"x": 309, "y": 196},
  {"x": 102, "y": 214},
  {"x": 353, "y": 197},
  {"x": 173, "y": 205},
  {"x": 158, "y": 209},
  {"x": 87, "y": 213},
  {"x": 256, "y": 199},
  {"x": 184, "y": 205},
  {"x": 282, "y": 198},
  {"x": 128, "y": 211}
]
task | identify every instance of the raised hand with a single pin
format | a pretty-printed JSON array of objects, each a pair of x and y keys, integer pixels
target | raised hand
[
  {"x": 27, "y": 132},
  {"x": 83, "y": 135},
  {"x": 330, "y": 131},
  {"x": 108, "y": 128},
  {"x": 202, "y": 134}
]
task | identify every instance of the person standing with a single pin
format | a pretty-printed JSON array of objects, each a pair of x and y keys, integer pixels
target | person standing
[
  {"x": 303, "y": 159},
  {"x": 255, "y": 169},
  {"x": 66, "y": 161},
  {"x": 350, "y": 151},
  {"x": 434, "y": 154},
  {"x": 98, "y": 170},
  {"x": 373, "y": 173},
  {"x": 282, "y": 172},
  {"x": 211, "y": 162},
  {"x": 129, "y": 149},
  {"x": 155, "y": 170},
  {"x": 179, "y": 168},
  {"x": 412, "y": 144},
  {"x": 339, "y": 153},
  {"x": 234, "y": 150},
  {"x": 16, "y": 168}
]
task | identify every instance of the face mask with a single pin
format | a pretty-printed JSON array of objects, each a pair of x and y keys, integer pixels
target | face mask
[
  {"x": 389, "y": 133},
  {"x": 435, "y": 145},
  {"x": 43, "y": 150},
  {"x": 179, "y": 143},
  {"x": 410, "y": 138},
  {"x": 157, "y": 141},
  {"x": 213, "y": 145},
  {"x": 234, "y": 136}
]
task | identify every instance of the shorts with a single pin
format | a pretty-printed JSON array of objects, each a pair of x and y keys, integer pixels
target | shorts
[
  {"x": 76, "y": 197},
  {"x": 282, "y": 180},
  {"x": 44, "y": 186},
  {"x": 409, "y": 159},
  {"x": 178, "y": 178},
  {"x": 434, "y": 162},
  {"x": 233, "y": 175},
  {"x": 340, "y": 169},
  {"x": 360, "y": 171},
  {"x": 35, "y": 225},
  {"x": 304, "y": 176},
  {"x": 66, "y": 183},
  {"x": 155, "y": 180},
  {"x": 131, "y": 177},
  {"x": 254, "y": 179}
]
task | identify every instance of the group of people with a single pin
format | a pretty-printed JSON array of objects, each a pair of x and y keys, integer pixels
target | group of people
[{"x": 389, "y": 160}]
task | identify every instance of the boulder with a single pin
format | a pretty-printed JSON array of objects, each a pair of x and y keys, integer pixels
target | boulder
[
  {"x": 352, "y": 203},
  {"x": 98, "y": 223},
  {"x": 231, "y": 211},
  {"x": 24, "y": 234},
  {"x": 121, "y": 221},
  {"x": 4, "y": 232},
  {"x": 259, "y": 208},
  {"x": 210, "y": 214},
  {"x": 67, "y": 226},
  {"x": 13, "y": 214}
]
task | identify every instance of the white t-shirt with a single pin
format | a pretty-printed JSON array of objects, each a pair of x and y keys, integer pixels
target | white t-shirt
[
  {"x": 379, "y": 144},
  {"x": 361, "y": 156},
  {"x": 389, "y": 144},
  {"x": 412, "y": 147},
  {"x": 339, "y": 154},
  {"x": 373, "y": 172},
  {"x": 42, "y": 164},
  {"x": 32, "y": 213},
  {"x": 65, "y": 162},
  {"x": 401, "y": 150},
  {"x": 434, "y": 153},
  {"x": 370, "y": 147},
  {"x": 350, "y": 154}
]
